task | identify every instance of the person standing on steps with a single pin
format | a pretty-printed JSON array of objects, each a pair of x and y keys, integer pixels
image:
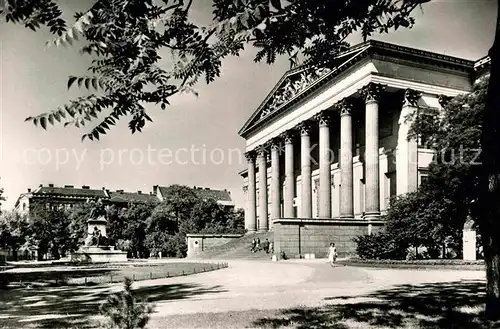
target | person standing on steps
[
  {"x": 257, "y": 247},
  {"x": 332, "y": 254},
  {"x": 254, "y": 243}
]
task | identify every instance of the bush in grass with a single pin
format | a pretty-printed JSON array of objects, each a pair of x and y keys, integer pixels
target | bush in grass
[
  {"x": 123, "y": 311},
  {"x": 379, "y": 246}
]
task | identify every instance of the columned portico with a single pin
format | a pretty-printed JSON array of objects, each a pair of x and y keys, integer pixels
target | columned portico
[
  {"x": 262, "y": 163},
  {"x": 346, "y": 165},
  {"x": 275, "y": 181},
  {"x": 251, "y": 224},
  {"x": 325, "y": 181},
  {"x": 305, "y": 172},
  {"x": 371, "y": 93},
  {"x": 349, "y": 195}
]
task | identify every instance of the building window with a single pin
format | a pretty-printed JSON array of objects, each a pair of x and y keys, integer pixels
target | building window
[
  {"x": 24, "y": 205},
  {"x": 424, "y": 178}
]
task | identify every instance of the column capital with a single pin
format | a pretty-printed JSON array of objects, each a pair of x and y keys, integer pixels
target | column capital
[
  {"x": 411, "y": 97},
  {"x": 305, "y": 128},
  {"x": 261, "y": 151},
  {"x": 288, "y": 136},
  {"x": 275, "y": 144},
  {"x": 444, "y": 100},
  {"x": 372, "y": 91},
  {"x": 250, "y": 156},
  {"x": 324, "y": 118},
  {"x": 345, "y": 107}
]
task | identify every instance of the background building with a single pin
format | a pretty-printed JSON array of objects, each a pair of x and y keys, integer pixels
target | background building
[{"x": 66, "y": 197}]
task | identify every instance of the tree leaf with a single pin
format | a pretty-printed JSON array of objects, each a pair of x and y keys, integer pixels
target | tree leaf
[
  {"x": 276, "y": 4},
  {"x": 43, "y": 122},
  {"x": 71, "y": 80}
]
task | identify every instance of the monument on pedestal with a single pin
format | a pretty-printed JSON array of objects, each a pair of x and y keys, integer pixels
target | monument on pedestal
[{"x": 96, "y": 248}]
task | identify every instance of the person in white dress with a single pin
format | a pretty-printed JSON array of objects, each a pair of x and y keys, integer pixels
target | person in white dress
[{"x": 332, "y": 254}]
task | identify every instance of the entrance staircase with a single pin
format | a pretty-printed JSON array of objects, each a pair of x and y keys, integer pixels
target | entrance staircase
[{"x": 238, "y": 248}]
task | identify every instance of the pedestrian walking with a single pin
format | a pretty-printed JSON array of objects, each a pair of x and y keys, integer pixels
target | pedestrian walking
[
  {"x": 254, "y": 243},
  {"x": 332, "y": 254},
  {"x": 257, "y": 246},
  {"x": 266, "y": 246}
]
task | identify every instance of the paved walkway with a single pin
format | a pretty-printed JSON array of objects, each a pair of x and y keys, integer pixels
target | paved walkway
[{"x": 251, "y": 285}]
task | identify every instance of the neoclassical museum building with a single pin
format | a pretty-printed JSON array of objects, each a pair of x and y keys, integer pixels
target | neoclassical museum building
[{"x": 328, "y": 148}]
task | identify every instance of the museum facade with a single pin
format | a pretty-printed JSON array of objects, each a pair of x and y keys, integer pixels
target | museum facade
[{"x": 328, "y": 148}]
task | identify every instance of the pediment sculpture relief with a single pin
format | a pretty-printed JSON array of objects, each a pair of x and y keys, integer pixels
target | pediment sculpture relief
[{"x": 293, "y": 86}]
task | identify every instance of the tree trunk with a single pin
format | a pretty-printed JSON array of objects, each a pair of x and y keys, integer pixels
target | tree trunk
[
  {"x": 489, "y": 209},
  {"x": 492, "y": 262}
]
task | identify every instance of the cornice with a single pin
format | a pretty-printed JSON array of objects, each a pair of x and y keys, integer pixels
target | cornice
[{"x": 370, "y": 49}]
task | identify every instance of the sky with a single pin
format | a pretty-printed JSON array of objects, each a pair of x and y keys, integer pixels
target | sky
[{"x": 194, "y": 142}]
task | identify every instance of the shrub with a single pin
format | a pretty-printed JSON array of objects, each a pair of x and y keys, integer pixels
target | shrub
[
  {"x": 123, "y": 311},
  {"x": 379, "y": 246}
]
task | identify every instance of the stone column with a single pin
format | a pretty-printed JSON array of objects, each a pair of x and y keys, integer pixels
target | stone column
[
  {"x": 275, "y": 181},
  {"x": 325, "y": 181},
  {"x": 346, "y": 165},
  {"x": 305, "y": 173},
  {"x": 288, "y": 210},
  {"x": 262, "y": 163},
  {"x": 372, "y": 92},
  {"x": 251, "y": 224},
  {"x": 247, "y": 205},
  {"x": 407, "y": 149}
]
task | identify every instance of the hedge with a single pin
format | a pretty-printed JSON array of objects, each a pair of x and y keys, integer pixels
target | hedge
[{"x": 415, "y": 264}]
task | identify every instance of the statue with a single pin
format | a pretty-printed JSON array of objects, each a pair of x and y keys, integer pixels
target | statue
[{"x": 97, "y": 210}]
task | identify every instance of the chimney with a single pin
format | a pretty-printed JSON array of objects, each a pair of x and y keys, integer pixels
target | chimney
[
  {"x": 29, "y": 190},
  {"x": 41, "y": 185},
  {"x": 51, "y": 185},
  {"x": 85, "y": 187},
  {"x": 155, "y": 189},
  {"x": 194, "y": 187},
  {"x": 139, "y": 192},
  {"x": 68, "y": 186}
]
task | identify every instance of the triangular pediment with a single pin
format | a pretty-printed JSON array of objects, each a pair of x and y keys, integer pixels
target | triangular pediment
[{"x": 294, "y": 84}]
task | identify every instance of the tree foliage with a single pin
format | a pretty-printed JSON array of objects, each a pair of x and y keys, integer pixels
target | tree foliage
[
  {"x": 49, "y": 231},
  {"x": 127, "y": 39},
  {"x": 13, "y": 228},
  {"x": 454, "y": 133}
]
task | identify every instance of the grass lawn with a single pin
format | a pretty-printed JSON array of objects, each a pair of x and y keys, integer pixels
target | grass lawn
[{"x": 108, "y": 274}]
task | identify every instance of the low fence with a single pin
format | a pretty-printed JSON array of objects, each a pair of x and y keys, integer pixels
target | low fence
[{"x": 102, "y": 275}]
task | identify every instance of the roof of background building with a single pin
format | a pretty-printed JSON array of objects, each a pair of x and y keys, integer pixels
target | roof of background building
[
  {"x": 119, "y": 196},
  {"x": 125, "y": 197},
  {"x": 70, "y": 191}
]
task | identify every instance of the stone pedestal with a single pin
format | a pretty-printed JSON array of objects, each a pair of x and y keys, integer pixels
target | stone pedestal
[
  {"x": 99, "y": 254},
  {"x": 469, "y": 244}
]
